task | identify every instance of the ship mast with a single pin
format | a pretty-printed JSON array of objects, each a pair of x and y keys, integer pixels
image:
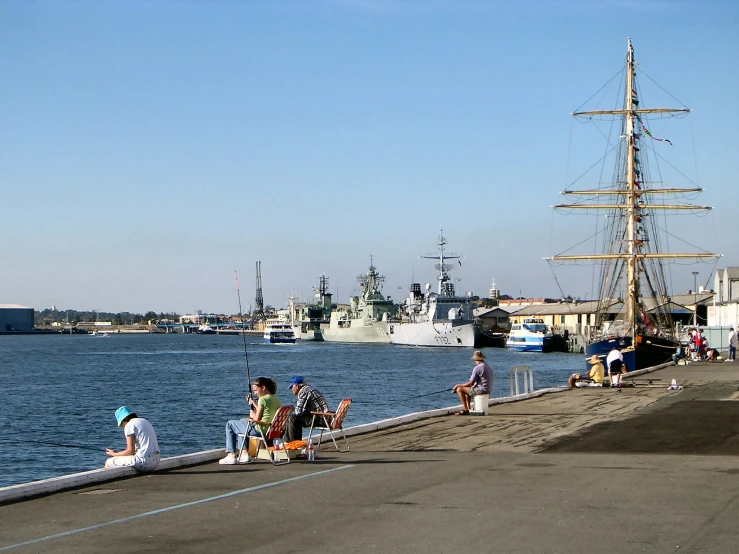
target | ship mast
[
  {"x": 443, "y": 268},
  {"x": 631, "y": 198},
  {"x": 634, "y": 250}
]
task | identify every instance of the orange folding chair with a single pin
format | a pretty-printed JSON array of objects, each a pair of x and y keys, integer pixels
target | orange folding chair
[
  {"x": 331, "y": 422},
  {"x": 275, "y": 431}
]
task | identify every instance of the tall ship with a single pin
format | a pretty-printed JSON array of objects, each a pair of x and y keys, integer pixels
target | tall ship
[
  {"x": 313, "y": 315},
  {"x": 436, "y": 318},
  {"x": 634, "y": 312},
  {"x": 366, "y": 318}
]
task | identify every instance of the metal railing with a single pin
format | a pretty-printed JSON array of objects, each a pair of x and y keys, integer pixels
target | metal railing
[{"x": 527, "y": 377}]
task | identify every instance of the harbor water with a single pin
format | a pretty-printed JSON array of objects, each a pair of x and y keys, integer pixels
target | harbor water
[{"x": 58, "y": 393}]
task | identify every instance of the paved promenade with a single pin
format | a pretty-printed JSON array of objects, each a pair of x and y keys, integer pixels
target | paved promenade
[{"x": 581, "y": 471}]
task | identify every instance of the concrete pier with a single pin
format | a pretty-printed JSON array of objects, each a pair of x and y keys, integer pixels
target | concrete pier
[{"x": 641, "y": 469}]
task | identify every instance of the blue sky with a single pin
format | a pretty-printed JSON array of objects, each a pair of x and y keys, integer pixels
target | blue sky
[{"x": 150, "y": 148}]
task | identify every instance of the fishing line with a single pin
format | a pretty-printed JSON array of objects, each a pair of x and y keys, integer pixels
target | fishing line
[
  {"x": 243, "y": 335},
  {"x": 57, "y": 444},
  {"x": 406, "y": 398}
]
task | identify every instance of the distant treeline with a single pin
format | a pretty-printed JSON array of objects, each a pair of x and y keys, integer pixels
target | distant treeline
[{"x": 48, "y": 316}]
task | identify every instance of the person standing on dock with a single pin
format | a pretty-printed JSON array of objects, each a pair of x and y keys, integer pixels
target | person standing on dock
[
  {"x": 732, "y": 345},
  {"x": 309, "y": 400},
  {"x": 615, "y": 364},
  {"x": 261, "y": 414},
  {"x": 142, "y": 447},
  {"x": 481, "y": 382}
]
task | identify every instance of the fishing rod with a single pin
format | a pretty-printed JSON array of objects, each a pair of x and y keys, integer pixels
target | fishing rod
[
  {"x": 59, "y": 445},
  {"x": 243, "y": 335},
  {"x": 431, "y": 393}
]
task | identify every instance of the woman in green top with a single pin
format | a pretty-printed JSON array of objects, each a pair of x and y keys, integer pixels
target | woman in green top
[{"x": 261, "y": 414}]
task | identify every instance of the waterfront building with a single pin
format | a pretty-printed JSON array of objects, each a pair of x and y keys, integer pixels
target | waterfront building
[
  {"x": 723, "y": 310},
  {"x": 15, "y": 318}
]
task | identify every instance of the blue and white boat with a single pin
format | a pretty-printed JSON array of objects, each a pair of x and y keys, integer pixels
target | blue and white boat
[
  {"x": 279, "y": 333},
  {"x": 530, "y": 336}
]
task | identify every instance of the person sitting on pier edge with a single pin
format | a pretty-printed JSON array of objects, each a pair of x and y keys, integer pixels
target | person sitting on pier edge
[
  {"x": 309, "y": 400},
  {"x": 615, "y": 363},
  {"x": 142, "y": 447},
  {"x": 595, "y": 374},
  {"x": 261, "y": 414},
  {"x": 481, "y": 382}
]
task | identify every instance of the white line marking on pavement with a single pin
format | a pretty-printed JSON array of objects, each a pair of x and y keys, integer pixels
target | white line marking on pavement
[{"x": 170, "y": 508}]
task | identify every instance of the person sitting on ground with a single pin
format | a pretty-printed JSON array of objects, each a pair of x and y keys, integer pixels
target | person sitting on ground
[
  {"x": 481, "y": 382},
  {"x": 142, "y": 447},
  {"x": 261, "y": 414},
  {"x": 595, "y": 374},
  {"x": 309, "y": 400},
  {"x": 712, "y": 355},
  {"x": 615, "y": 364}
]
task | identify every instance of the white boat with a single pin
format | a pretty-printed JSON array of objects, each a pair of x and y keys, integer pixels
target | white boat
[
  {"x": 206, "y": 329},
  {"x": 279, "y": 333},
  {"x": 634, "y": 311},
  {"x": 366, "y": 318},
  {"x": 436, "y": 319},
  {"x": 530, "y": 336}
]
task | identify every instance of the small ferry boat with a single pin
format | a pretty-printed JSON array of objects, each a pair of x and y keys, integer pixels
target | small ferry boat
[
  {"x": 530, "y": 336},
  {"x": 279, "y": 333},
  {"x": 206, "y": 329}
]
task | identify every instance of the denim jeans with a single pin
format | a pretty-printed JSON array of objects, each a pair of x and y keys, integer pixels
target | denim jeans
[{"x": 235, "y": 427}]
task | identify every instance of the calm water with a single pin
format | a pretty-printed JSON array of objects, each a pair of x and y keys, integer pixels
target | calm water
[{"x": 64, "y": 389}]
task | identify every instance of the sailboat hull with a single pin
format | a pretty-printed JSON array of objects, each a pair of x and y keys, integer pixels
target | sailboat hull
[{"x": 649, "y": 351}]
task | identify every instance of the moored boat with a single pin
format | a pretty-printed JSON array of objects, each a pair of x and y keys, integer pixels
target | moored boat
[
  {"x": 436, "y": 319},
  {"x": 532, "y": 335},
  {"x": 366, "y": 318},
  {"x": 314, "y": 315}
]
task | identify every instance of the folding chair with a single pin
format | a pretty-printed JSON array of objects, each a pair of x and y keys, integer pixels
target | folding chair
[
  {"x": 330, "y": 421},
  {"x": 275, "y": 431}
]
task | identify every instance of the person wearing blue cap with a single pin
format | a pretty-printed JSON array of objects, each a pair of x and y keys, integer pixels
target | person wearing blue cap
[
  {"x": 309, "y": 400},
  {"x": 142, "y": 447}
]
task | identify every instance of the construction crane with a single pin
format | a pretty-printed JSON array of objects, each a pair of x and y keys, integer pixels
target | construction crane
[{"x": 258, "y": 313}]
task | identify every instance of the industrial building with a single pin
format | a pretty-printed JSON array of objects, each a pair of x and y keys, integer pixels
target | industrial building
[{"x": 15, "y": 318}]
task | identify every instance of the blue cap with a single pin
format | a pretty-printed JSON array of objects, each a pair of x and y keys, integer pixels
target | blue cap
[
  {"x": 122, "y": 413},
  {"x": 297, "y": 380}
]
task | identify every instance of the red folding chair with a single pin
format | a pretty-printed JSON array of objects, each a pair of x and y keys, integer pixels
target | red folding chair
[
  {"x": 331, "y": 422},
  {"x": 275, "y": 431}
]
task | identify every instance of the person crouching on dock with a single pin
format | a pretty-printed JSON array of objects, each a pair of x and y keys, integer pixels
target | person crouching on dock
[
  {"x": 481, "y": 382},
  {"x": 142, "y": 447}
]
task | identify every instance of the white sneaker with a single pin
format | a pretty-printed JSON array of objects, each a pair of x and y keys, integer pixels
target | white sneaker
[
  {"x": 245, "y": 458},
  {"x": 229, "y": 460}
]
